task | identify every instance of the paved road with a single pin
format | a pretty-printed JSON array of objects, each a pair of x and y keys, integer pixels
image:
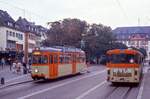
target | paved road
[{"x": 91, "y": 85}]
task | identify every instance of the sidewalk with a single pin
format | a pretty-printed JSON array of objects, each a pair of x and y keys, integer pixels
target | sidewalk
[{"x": 7, "y": 74}]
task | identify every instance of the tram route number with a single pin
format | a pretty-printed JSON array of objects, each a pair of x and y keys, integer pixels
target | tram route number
[{"x": 122, "y": 72}]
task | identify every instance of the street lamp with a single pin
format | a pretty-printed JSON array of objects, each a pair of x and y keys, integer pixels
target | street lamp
[{"x": 82, "y": 43}]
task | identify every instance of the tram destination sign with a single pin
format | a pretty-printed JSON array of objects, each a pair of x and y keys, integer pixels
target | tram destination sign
[{"x": 122, "y": 72}]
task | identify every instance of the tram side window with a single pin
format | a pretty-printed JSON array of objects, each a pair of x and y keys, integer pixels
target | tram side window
[
  {"x": 55, "y": 59},
  {"x": 51, "y": 59},
  {"x": 66, "y": 59},
  {"x": 44, "y": 60},
  {"x": 40, "y": 59},
  {"x": 61, "y": 58},
  {"x": 35, "y": 59}
]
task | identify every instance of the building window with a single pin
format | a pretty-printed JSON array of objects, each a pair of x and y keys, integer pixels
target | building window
[
  {"x": 17, "y": 35},
  {"x": 21, "y": 37},
  {"x": 7, "y": 32},
  {"x": 143, "y": 43},
  {"x": 11, "y": 44},
  {"x": 10, "y": 24},
  {"x": 13, "y": 34},
  {"x": 131, "y": 42}
]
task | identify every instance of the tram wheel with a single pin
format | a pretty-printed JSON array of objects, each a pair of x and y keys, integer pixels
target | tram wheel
[{"x": 34, "y": 78}]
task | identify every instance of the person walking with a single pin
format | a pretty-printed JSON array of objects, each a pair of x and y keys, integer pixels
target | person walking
[
  {"x": 14, "y": 67},
  {"x": 24, "y": 68},
  {"x": 3, "y": 62},
  {"x": 19, "y": 65},
  {"x": 10, "y": 64}
]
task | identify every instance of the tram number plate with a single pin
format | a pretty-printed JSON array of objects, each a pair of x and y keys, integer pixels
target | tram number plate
[{"x": 122, "y": 72}]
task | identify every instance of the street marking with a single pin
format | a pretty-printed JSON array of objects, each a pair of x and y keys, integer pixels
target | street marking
[
  {"x": 141, "y": 89},
  {"x": 17, "y": 78},
  {"x": 90, "y": 90},
  {"x": 59, "y": 85}
]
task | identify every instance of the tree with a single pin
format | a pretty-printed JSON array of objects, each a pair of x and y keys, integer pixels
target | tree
[
  {"x": 66, "y": 32},
  {"x": 99, "y": 39},
  {"x": 1, "y": 22},
  {"x": 117, "y": 45}
]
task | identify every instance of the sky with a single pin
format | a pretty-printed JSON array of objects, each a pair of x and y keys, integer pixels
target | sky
[{"x": 113, "y": 13}]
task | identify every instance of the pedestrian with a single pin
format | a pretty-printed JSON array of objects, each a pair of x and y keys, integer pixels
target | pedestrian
[
  {"x": 3, "y": 62},
  {"x": 19, "y": 67},
  {"x": 24, "y": 68},
  {"x": 29, "y": 66},
  {"x": 14, "y": 67},
  {"x": 10, "y": 64}
]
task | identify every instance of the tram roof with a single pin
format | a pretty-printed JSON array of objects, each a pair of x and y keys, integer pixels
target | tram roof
[
  {"x": 60, "y": 49},
  {"x": 126, "y": 51}
]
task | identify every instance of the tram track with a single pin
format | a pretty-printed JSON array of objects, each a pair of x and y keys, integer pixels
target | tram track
[
  {"x": 110, "y": 93},
  {"x": 124, "y": 95}
]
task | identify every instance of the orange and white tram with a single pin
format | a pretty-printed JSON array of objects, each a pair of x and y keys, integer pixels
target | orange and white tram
[
  {"x": 51, "y": 63},
  {"x": 124, "y": 66}
]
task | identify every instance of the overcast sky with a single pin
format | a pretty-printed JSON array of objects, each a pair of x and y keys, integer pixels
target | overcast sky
[{"x": 113, "y": 13}]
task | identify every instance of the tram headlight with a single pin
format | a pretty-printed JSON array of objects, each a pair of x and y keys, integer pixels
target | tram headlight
[
  {"x": 36, "y": 70},
  {"x": 131, "y": 61}
]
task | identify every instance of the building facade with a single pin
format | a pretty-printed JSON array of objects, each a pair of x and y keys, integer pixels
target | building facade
[
  {"x": 36, "y": 34},
  {"x": 138, "y": 37},
  {"x": 11, "y": 39},
  {"x": 19, "y": 35}
]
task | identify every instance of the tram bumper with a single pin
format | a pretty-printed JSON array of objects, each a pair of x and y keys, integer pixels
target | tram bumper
[
  {"x": 124, "y": 79},
  {"x": 40, "y": 72}
]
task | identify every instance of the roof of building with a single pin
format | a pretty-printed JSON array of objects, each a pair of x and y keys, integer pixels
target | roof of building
[
  {"x": 134, "y": 29},
  {"x": 28, "y": 26},
  {"x": 5, "y": 18}
]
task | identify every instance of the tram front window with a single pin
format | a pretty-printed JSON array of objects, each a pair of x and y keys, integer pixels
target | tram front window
[
  {"x": 39, "y": 59},
  {"x": 123, "y": 58}
]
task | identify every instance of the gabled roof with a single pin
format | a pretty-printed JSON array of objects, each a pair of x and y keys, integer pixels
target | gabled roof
[
  {"x": 130, "y": 30},
  {"x": 27, "y": 26},
  {"x": 23, "y": 23},
  {"x": 5, "y": 18}
]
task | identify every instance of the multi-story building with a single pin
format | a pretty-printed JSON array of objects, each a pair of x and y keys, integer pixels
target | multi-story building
[
  {"x": 11, "y": 37},
  {"x": 138, "y": 36},
  {"x": 19, "y": 36},
  {"x": 35, "y": 33}
]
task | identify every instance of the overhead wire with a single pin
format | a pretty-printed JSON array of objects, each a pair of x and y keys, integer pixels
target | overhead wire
[{"x": 122, "y": 9}]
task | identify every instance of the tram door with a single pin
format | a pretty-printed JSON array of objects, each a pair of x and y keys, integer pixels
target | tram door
[
  {"x": 53, "y": 65},
  {"x": 74, "y": 63}
]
